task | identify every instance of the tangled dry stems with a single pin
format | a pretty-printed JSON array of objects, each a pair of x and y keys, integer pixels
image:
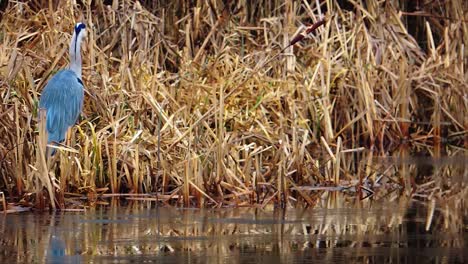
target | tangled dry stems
[{"x": 198, "y": 104}]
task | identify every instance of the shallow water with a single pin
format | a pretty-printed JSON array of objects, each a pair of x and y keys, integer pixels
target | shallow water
[
  {"x": 413, "y": 212},
  {"x": 364, "y": 232}
]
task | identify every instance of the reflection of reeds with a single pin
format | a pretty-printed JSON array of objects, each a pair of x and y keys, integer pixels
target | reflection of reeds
[
  {"x": 194, "y": 102},
  {"x": 139, "y": 230}
]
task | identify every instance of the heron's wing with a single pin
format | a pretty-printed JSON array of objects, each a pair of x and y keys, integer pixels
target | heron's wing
[
  {"x": 63, "y": 99},
  {"x": 75, "y": 98}
]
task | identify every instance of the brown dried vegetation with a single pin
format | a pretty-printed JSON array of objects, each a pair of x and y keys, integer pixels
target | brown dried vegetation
[{"x": 193, "y": 101}]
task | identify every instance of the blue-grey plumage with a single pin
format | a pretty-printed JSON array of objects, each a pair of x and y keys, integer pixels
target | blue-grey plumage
[
  {"x": 62, "y": 97},
  {"x": 63, "y": 100}
]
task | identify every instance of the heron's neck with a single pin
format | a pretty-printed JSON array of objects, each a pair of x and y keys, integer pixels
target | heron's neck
[{"x": 75, "y": 55}]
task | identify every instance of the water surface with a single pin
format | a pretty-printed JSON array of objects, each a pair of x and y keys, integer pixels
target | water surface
[
  {"x": 412, "y": 211},
  {"x": 140, "y": 233}
]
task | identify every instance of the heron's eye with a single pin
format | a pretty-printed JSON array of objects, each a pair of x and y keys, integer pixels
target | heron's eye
[{"x": 79, "y": 27}]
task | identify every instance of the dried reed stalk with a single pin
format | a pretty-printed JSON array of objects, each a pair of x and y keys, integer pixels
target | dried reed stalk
[{"x": 42, "y": 174}]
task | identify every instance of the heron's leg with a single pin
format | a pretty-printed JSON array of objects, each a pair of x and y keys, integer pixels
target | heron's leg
[{"x": 68, "y": 136}]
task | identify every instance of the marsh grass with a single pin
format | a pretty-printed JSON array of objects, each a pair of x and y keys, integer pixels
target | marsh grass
[{"x": 197, "y": 102}]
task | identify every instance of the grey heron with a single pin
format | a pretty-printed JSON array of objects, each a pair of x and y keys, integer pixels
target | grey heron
[{"x": 62, "y": 97}]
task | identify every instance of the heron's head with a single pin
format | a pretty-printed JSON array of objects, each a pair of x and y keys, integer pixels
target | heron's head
[{"x": 80, "y": 30}]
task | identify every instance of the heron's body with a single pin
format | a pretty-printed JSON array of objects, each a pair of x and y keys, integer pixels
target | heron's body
[
  {"x": 62, "y": 97},
  {"x": 63, "y": 100}
]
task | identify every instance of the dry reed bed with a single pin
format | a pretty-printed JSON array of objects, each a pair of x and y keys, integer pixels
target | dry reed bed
[{"x": 195, "y": 105}]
